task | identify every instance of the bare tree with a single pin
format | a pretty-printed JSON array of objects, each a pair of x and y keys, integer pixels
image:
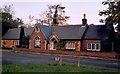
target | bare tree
[{"x": 55, "y": 15}]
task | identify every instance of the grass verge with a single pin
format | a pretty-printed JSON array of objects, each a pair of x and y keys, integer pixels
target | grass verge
[{"x": 50, "y": 68}]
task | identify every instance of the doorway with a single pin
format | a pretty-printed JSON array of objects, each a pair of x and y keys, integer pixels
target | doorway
[{"x": 53, "y": 44}]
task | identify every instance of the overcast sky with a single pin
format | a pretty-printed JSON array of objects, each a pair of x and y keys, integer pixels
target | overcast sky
[{"x": 74, "y": 8}]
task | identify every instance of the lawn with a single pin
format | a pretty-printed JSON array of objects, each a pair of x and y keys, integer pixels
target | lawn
[{"x": 50, "y": 68}]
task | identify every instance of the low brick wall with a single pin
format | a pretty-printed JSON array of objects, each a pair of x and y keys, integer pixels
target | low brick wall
[{"x": 74, "y": 53}]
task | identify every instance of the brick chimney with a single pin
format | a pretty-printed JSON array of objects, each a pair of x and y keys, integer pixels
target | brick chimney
[
  {"x": 84, "y": 20},
  {"x": 22, "y": 35}
]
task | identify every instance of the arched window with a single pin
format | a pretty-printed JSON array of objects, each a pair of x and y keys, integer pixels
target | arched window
[{"x": 37, "y": 42}]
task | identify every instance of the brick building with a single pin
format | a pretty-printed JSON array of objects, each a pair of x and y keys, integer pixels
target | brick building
[
  {"x": 69, "y": 37},
  {"x": 12, "y": 37},
  {"x": 82, "y": 37}
]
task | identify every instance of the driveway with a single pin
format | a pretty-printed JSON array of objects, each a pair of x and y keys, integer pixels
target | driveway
[{"x": 9, "y": 57}]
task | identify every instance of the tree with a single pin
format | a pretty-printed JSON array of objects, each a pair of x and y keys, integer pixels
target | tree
[
  {"x": 6, "y": 17},
  {"x": 55, "y": 15},
  {"x": 30, "y": 24},
  {"x": 112, "y": 14},
  {"x": 61, "y": 45}
]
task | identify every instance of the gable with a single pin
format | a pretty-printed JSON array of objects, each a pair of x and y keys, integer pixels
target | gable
[
  {"x": 37, "y": 33},
  {"x": 47, "y": 30},
  {"x": 54, "y": 36}
]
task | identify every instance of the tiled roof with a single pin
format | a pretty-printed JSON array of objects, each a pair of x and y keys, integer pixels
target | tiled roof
[
  {"x": 15, "y": 33},
  {"x": 69, "y": 32},
  {"x": 28, "y": 31},
  {"x": 65, "y": 32},
  {"x": 12, "y": 34},
  {"x": 97, "y": 32},
  {"x": 47, "y": 30}
]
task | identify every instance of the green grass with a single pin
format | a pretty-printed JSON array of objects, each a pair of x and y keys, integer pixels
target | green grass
[{"x": 50, "y": 68}]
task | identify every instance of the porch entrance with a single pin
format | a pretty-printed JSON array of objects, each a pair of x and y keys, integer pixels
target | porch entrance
[{"x": 53, "y": 44}]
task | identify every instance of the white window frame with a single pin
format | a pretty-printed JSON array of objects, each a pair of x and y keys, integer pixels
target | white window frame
[
  {"x": 15, "y": 43},
  {"x": 70, "y": 45},
  {"x": 95, "y": 47}
]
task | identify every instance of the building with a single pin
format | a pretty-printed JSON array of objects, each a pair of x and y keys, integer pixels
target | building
[
  {"x": 98, "y": 38},
  {"x": 12, "y": 37},
  {"x": 69, "y": 37},
  {"x": 82, "y": 37}
]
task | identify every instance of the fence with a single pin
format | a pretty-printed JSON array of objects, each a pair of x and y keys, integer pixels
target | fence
[{"x": 74, "y": 60}]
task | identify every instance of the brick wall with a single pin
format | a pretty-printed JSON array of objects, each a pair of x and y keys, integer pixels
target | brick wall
[
  {"x": 42, "y": 40},
  {"x": 77, "y": 44},
  {"x": 73, "y": 53},
  {"x": 9, "y": 43},
  {"x": 84, "y": 43}
]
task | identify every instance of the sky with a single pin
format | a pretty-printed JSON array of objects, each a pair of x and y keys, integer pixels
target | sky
[{"x": 74, "y": 8}]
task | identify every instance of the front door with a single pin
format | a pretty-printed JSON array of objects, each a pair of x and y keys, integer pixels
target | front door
[{"x": 52, "y": 45}]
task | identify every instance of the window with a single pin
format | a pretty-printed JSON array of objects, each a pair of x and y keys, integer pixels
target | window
[
  {"x": 70, "y": 45},
  {"x": 97, "y": 46},
  {"x": 3, "y": 43},
  {"x": 93, "y": 46},
  {"x": 37, "y": 42},
  {"x": 15, "y": 43},
  {"x": 89, "y": 46}
]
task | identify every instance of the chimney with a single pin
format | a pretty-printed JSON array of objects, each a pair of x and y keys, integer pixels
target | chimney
[
  {"x": 22, "y": 34},
  {"x": 84, "y": 20}
]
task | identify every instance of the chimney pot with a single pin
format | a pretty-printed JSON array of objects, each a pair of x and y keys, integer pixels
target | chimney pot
[
  {"x": 84, "y": 20},
  {"x": 84, "y": 15}
]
